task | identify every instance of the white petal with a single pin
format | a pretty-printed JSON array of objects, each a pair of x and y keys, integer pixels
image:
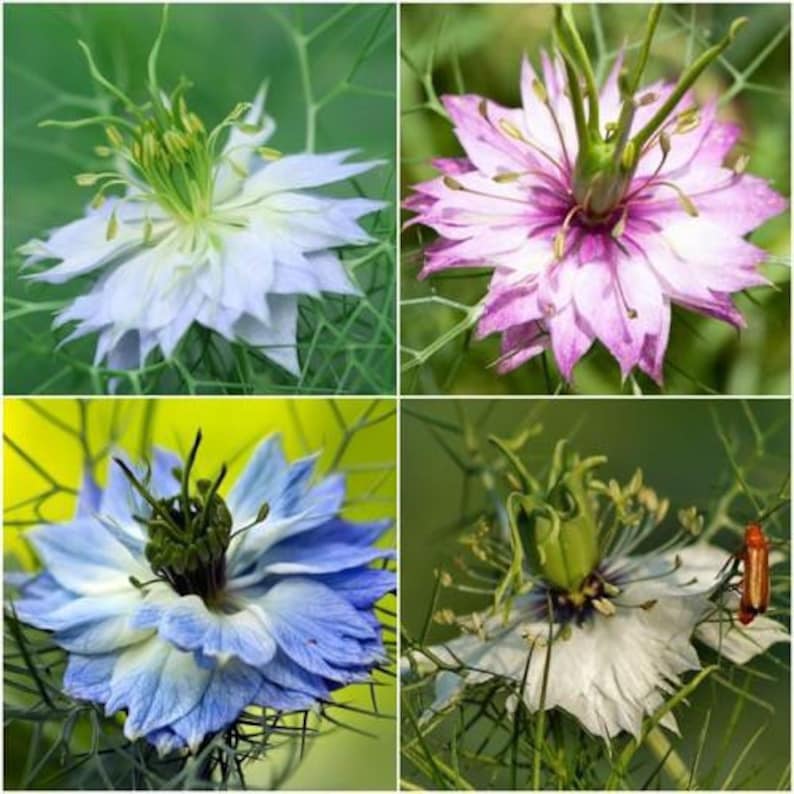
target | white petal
[
  {"x": 276, "y": 340},
  {"x": 298, "y": 171},
  {"x": 609, "y": 673},
  {"x": 312, "y": 274},
  {"x": 157, "y": 684},
  {"x": 240, "y": 149},
  {"x": 722, "y": 631}
]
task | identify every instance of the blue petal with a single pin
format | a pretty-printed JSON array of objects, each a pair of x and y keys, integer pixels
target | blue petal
[
  {"x": 188, "y": 624},
  {"x": 39, "y": 597},
  {"x": 319, "y": 504},
  {"x": 162, "y": 482},
  {"x": 84, "y": 557},
  {"x": 119, "y": 500},
  {"x": 303, "y": 556},
  {"x": 316, "y": 628},
  {"x": 100, "y": 636},
  {"x": 90, "y": 496},
  {"x": 324, "y": 501},
  {"x": 84, "y": 624},
  {"x": 292, "y": 496},
  {"x": 130, "y": 535},
  {"x": 165, "y": 740},
  {"x": 231, "y": 689},
  {"x": 362, "y": 587},
  {"x": 286, "y": 674},
  {"x": 157, "y": 684},
  {"x": 19, "y": 579},
  {"x": 262, "y": 480},
  {"x": 281, "y": 699},
  {"x": 88, "y": 677},
  {"x": 333, "y": 546},
  {"x": 359, "y": 534}
]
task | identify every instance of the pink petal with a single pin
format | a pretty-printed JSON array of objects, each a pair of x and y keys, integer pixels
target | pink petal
[
  {"x": 486, "y": 145},
  {"x": 539, "y": 121},
  {"x": 519, "y": 345},
  {"x": 452, "y": 165},
  {"x": 571, "y": 338},
  {"x": 513, "y": 308},
  {"x": 599, "y": 303},
  {"x": 652, "y": 355}
]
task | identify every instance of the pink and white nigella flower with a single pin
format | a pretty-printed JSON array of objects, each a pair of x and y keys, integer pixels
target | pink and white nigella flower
[{"x": 595, "y": 229}]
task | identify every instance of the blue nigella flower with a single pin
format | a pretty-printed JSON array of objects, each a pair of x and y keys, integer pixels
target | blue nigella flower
[{"x": 184, "y": 608}]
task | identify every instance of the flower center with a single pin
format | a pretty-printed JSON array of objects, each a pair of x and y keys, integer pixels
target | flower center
[
  {"x": 189, "y": 532},
  {"x": 167, "y": 157},
  {"x": 608, "y": 155},
  {"x": 171, "y": 155},
  {"x": 188, "y": 548},
  {"x": 162, "y": 152},
  {"x": 595, "y": 594}
]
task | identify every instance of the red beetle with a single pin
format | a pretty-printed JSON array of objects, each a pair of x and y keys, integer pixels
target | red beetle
[{"x": 754, "y": 556}]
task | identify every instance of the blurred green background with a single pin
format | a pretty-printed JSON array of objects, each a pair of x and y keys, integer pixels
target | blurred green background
[
  {"x": 359, "y": 434},
  {"x": 676, "y": 444},
  {"x": 227, "y": 50},
  {"x": 477, "y": 49}
]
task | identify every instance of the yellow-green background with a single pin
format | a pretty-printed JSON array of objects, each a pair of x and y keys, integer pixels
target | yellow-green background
[{"x": 230, "y": 426}]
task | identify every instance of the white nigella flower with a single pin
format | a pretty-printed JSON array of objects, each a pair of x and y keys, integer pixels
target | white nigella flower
[
  {"x": 228, "y": 235},
  {"x": 622, "y": 627}
]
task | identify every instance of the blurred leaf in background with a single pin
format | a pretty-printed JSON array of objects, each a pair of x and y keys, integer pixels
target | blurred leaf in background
[
  {"x": 729, "y": 460},
  {"x": 48, "y": 442},
  {"x": 331, "y": 78},
  {"x": 449, "y": 49}
]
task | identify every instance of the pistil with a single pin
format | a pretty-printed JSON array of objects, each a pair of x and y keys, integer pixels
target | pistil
[
  {"x": 189, "y": 531},
  {"x": 606, "y": 162}
]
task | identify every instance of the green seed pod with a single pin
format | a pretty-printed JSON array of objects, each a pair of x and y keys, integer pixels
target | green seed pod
[{"x": 560, "y": 530}]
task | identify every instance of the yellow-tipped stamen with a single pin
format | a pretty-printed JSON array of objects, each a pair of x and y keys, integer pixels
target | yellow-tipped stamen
[
  {"x": 114, "y": 136},
  {"x": 684, "y": 200},
  {"x": 113, "y": 227},
  {"x": 268, "y": 153},
  {"x": 510, "y": 129},
  {"x": 540, "y": 91},
  {"x": 452, "y": 184},
  {"x": 604, "y": 606},
  {"x": 741, "y": 163},
  {"x": 86, "y": 180}
]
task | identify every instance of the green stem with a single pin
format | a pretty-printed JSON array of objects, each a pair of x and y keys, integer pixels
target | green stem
[
  {"x": 106, "y": 84},
  {"x": 684, "y": 83},
  {"x": 574, "y": 90},
  {"x": 672, "y": 763},
  {"x": 540, "y": 719},
  {"x": 645, "y": 51},
  {"x": 579, "y": 50},
  {"x": 151, "y": 64}
]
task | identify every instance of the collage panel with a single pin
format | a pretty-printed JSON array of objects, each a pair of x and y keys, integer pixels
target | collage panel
[
  {"x": 600, "y": 600},
  {"x": 199, "y": 594},
  {"x": 200, "y": 199},
  {"x": 247, "y": 546},
  {"x": 595, "y": 199}
]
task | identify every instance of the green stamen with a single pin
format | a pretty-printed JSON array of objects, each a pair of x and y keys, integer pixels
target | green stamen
[{"x": 165, "y": 145}]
